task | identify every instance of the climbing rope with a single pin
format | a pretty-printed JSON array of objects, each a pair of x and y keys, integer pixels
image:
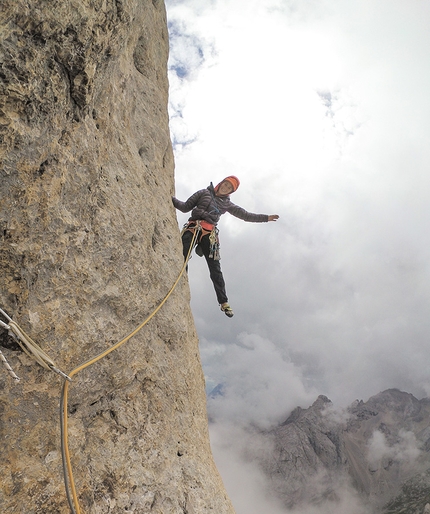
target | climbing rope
[
  {"x": 67, "y": 466},
  {"x": 2, "y": 357},
  {"x": 8, "y": 368},
  {"x": 28, "y": 346},
  {"x": 33, "y": 350}
]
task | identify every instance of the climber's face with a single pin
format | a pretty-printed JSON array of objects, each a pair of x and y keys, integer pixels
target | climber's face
[{"x": 225, "y": 188}]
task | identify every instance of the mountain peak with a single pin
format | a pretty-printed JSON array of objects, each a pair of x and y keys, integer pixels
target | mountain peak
[{"x": 373, "y": 448}]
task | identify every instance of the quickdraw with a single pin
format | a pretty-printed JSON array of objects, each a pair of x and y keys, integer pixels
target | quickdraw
[{"x": 214, "y": 248}]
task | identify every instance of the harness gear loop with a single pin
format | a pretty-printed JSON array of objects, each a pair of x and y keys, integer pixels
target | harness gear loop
[
  {"x": 194, "y": 227},
  {"x": 214, "y": 242}
]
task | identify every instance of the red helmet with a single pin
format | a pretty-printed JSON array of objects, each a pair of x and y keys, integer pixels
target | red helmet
[{"x": 234, "y": 181}]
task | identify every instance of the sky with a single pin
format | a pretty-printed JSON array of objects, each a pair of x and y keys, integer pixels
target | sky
[{"x": 322, "y": 109}]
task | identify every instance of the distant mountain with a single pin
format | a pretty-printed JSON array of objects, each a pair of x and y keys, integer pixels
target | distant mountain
[{"x": 376, "y": 452}]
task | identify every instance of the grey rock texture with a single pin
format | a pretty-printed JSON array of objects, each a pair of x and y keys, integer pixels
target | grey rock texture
[
  {"x": 412, "y": 498},
  {"x": 376, "y": 450},
  {"x": 308, "y": 455},
  {"x": 89, "y": 246}
]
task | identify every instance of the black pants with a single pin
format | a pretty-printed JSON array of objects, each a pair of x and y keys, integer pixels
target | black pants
[{"x": 213, "y": 265}]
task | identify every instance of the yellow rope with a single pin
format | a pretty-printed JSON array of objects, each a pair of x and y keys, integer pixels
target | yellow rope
[{"x": 65, "y": 439}]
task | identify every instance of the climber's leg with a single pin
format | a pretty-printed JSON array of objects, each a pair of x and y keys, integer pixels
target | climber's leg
[{"x": 215, "y": 271}]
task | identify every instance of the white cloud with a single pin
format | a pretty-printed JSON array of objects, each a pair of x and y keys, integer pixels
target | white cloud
[
  {"x": 260, "y": 383},
  {"x": 322, "y": 110},
  {"x": 237, "y": 452},
  {"x": 405, "y": 450},
  {"x": 234, "y": 449}
]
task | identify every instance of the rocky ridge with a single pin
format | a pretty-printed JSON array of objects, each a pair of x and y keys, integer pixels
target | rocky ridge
[
  {"x": 377, "y": 451},
  {"x": 89, "y": 245}
]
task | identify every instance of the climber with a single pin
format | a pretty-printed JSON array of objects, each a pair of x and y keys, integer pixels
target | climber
[{"x": 207, "y": 206}]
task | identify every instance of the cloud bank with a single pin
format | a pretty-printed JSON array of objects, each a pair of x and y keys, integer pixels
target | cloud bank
[{"x": 322, "y": 110}]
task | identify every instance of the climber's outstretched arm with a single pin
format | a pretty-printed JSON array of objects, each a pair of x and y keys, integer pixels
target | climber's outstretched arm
[{"x": 192, "y": 201}]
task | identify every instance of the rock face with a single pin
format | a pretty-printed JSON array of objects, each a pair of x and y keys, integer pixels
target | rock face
[
  {"x": 89, "y": 247},
  {"x": 377, "y": 451}
]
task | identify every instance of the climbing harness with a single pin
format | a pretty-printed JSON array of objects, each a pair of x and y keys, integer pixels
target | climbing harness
[
  {"x": 205, "y": 228},
  {"x": 31, "y": 348},
  {"x": 197, "y": 227}
]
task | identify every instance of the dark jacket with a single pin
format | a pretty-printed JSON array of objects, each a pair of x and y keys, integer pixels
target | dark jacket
[{"x": 206, "y": 206}]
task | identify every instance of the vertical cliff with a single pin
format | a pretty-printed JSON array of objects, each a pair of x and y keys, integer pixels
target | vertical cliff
[{"x": 89, "y": 247}]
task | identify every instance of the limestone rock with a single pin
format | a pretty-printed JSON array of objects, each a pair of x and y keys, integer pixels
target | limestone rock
[{"x": 89, "y": 246}]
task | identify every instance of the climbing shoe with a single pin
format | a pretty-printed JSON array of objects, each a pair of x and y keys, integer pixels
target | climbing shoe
[{"x": 228, "y": 311}]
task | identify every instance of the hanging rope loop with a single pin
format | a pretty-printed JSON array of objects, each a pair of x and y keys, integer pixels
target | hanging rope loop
[
  {"x": 33, "y": 350},
  {"x": 69, "y": 481}
]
